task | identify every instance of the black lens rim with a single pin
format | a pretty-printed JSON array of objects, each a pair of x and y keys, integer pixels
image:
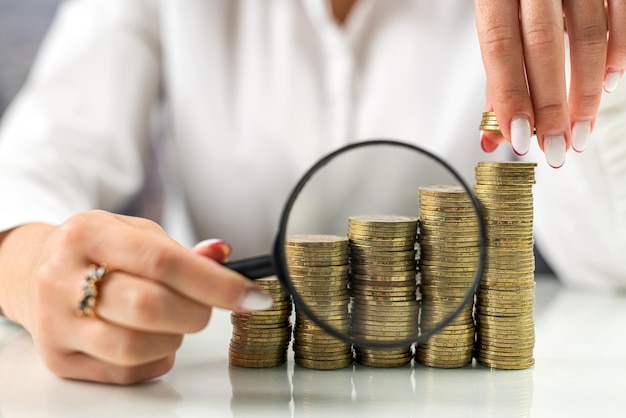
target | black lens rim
[{"x": 280, "y": 262}]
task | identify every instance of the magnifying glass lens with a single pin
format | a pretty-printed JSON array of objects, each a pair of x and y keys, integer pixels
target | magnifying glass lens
[{"x": 376, "y": 253}]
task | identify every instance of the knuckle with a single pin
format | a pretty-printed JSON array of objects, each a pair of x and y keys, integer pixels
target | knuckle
[
  {"x": 512, "y": 95},
  {"x": 47, "y": 287},
  {"x": 176, "y": 342},
  {"x": 125, "y": 376},
  {"x": 151, "y": 305},
  {"x": 135, "y": 348},
  {"x": 589, "y": 100},
  {"x": 55, "y": 362},
  {"x": 156, "y": 261},
  {"x": 142, "y": 223},
  {"x": 146, "y": 305},
  {"x": 618, "y": 51},
  {"x": 73, "y": 231},
  {"x": 133, "y": 375},
  {"x": 550, "y": 113},
  {"x": 198, "y": 322},
  {"x": 550, "y": 108},
  {"x": 130, "y": 348},
  {"x": 46, "y": 278},
  {"x": 498, "y": 40},
  {"x": 76, "y": 231},
  {"x": 542, "y": 38},
  {"x": 151, "y": 226},
  {"x": 589, "y": 34}
]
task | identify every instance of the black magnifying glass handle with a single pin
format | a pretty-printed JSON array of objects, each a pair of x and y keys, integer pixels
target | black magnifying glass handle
[{"x": 254, "y": 267}]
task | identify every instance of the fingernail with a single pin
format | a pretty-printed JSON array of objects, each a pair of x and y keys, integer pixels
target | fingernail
[
  {"x": 487, "y": 145},
  {"x": 580, "y": 135},
  {"x": 520, "y": 135},
  {"x": 256, "y": 300},
  {"x": 482, "y": 142},
  {"x": 611, "y": 80},
  {"x": 224, "y": 247},
  {"x": 555, "y": 148},
  {"x": 212, "y": 242}
]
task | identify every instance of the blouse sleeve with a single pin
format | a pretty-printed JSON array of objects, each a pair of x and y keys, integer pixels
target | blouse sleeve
[{"x": 74, "y": 137}]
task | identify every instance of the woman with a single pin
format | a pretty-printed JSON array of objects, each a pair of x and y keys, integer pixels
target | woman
[{"x": 254, "y": 93}]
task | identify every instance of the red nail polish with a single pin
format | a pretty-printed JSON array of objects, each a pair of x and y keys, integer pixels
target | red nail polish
[{"x": 487, "y": 145}]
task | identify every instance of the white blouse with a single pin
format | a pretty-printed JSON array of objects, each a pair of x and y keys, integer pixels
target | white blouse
[{"x": 254, "y": 92}]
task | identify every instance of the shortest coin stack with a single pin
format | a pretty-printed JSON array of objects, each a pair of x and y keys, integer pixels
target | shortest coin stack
[
  {"x": 261, "y": 338},
  {"x": 318, "y": 268}
]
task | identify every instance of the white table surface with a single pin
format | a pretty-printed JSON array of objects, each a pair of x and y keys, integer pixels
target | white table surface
[{"x": 580, "y": 371}]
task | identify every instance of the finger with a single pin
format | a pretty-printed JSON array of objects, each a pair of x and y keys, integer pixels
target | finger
[
  {"x": 489, "y": 141},
  {"x": 497, "y": 23},
  {"x": 586, "y": 29},
  {"x": 217, "y": 249},
  {"x": 616, "y": 54},
  {"x": 120, "y": 346},
  {"x": 151, "y": 256},
  {"x": 542, "y": 33},
  {"x": 141, "y": 223},
  {"x": 148, "y": 306},
  {"x": 81, "y": 366}
]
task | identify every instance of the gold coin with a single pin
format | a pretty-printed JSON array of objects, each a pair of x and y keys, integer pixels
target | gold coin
[
  {"x": 313, "y": 240},
  {"x": 302, "y": 337},
  {"x": 323, "y": 365},
  {"x": 436, "y": 364},
  {"x": 404, "y": 276},
  {"x": 376, "y": 253},
  {"x": 319, "y": 262},
  {"x": 385, "y": 307},
  {"x": 318, "y": 271},
  {"x": 389, "y": 286},
  {"x": 276, "y": 357},
  {"x": 381, "y": 247},
  {"x": 442, "y": 359},
  {"x": 386, "y": 363},
  {"x": 469, "y": 223},
  {"x": 256, "y": 364},
  {"x": 381, "y": 219},
  {"x": 381, "y": 232}
]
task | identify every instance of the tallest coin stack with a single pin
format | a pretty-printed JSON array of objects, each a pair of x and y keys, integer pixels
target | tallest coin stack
[{"x": 505, "y": 298}]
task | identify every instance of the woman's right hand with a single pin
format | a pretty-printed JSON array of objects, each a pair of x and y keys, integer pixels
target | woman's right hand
[
  {"x": 523, "y": 50},
  {"x": 154, "y": 292}
]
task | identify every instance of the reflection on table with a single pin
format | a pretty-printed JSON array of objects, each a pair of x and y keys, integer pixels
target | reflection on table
[{"x": 580, "y": 370}]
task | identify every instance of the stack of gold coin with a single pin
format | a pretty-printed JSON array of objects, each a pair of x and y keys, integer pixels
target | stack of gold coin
[
  {"x": 318, "y": 267},
  {"x": 449, "y": 252},
  {"x": 383, "y": 285},
  {"x": 490, "y": 123},
  {"x": 505, "y": 297},
  {"x": 261, "y": 338}
]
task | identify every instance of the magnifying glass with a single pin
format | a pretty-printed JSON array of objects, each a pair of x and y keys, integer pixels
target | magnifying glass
[{"x": 360, "y": 206}]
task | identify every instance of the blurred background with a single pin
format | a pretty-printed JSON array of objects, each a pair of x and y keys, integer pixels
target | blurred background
[{"x": 23, "y": 24}]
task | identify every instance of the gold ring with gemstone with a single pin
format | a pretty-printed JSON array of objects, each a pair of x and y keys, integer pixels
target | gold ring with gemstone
[{"x": 87, "y": 304}]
